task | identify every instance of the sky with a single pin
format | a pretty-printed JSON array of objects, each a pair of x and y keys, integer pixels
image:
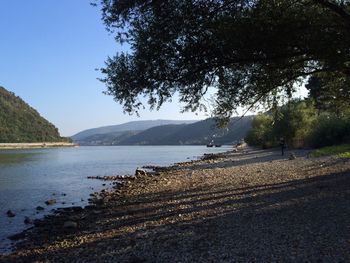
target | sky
[{"x": 49, "y": 53}]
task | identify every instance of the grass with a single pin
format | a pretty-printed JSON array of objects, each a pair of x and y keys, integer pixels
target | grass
[{"x": 342, "y": 151}]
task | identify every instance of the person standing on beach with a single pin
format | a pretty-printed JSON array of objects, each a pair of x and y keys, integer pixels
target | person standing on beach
[{"x": 283, "y": 145}]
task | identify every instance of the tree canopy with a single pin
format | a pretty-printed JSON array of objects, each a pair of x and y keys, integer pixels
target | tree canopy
[
  {"x": 246, "y": 49},
  {"x": 330, "y": 93}
]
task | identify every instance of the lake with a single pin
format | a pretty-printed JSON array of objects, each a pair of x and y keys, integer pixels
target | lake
[{"x": 28, "y": 178}]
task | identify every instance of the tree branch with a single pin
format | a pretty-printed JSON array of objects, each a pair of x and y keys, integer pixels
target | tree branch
[{"x": 335, "y": 8}]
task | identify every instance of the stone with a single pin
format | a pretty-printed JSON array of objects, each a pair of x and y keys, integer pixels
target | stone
[
  {"x": 27, "y": 220},
  {"x": 70, "y": 225},
  {"x": 17, "y": 236},
  {"x": 140, "y": 172},
  {"x": 10, "y": 213},
  {"x": 50, "y": 202},
  {"x": 40, "y": 208},
  {"x": 38, "y": 223},
  {"x": 292, "y": 156},
  {"x": 77, "y": 208}
]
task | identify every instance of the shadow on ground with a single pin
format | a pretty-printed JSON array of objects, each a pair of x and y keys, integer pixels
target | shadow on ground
[{"x": 297, "y": 221}]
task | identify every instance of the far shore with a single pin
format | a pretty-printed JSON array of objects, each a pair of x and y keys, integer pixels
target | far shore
[{"x": 36, "y": 145}]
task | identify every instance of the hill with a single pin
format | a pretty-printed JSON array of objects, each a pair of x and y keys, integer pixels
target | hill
[
  {"x": 21, "y": 123},
  {"x": 129, "y": 126},
  {"x": 201, "y": 132}
]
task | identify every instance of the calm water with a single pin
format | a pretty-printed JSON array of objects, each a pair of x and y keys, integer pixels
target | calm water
[{"x": 30, "y": 177}]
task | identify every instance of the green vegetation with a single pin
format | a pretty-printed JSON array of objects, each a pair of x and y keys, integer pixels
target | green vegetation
[
  {"x": 294, "y": 121},
  {"x": 342, "y": 151},
  {"x": 302, "y": 125},
  {"x": 330, "y": 129},
  {"x": 249, "y": 50},
  {"x": 21, "y": 123}
]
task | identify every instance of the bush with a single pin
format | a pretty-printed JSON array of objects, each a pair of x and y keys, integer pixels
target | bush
[{"x": 330, "y": 130}]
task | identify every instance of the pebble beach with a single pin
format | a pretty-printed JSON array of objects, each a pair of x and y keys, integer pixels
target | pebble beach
[{"x": 240, "y": 206}]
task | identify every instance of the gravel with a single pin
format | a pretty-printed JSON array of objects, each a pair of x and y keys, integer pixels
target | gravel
[{"x": 246, "y": 206}]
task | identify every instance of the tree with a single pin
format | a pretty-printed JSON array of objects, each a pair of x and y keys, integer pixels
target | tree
[
  {"x": 295, "y": 122},
  {"x": 261, "y": 133},
  {"x": 330, "y": 93},
  {"x": 246, "y": 49}
]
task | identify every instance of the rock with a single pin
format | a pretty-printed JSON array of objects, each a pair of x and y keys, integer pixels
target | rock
[
  {"x": 40, "y": 208},
  {"x": 70, "y": 225},
  {"x": 140, "y": 172},
  {"x": 50, "y": 202},
  {"x": 17, "y": 236},
  {"x": 27, "y": 220},
  {"x": 38, "y": 223},
  {"x": 10, "y": 213},
  {"x": 292, "y": 156},
  {"x": 77, "y": 208}
]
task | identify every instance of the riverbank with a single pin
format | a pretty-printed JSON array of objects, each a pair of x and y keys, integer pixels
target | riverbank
[
  {"x": 12, "y": 146},
  {"x": 241, "y": 206}
]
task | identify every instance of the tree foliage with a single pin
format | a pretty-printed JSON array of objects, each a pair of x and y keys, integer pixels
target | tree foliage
[
  {"x": 330, "y": 93},
  {"x": 21, "y": 123},
  {"x": 295, "y": 123},
  {"x": 246, "y": 49},
  {"x": 261, "y": 133},
  {"x": 331, "y": 129}
]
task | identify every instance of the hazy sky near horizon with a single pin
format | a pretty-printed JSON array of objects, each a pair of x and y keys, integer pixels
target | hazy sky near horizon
[{"x": 49, "y": 51}]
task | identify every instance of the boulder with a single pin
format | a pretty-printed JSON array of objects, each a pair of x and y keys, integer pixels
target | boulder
[{"x": 40, "y": 208}]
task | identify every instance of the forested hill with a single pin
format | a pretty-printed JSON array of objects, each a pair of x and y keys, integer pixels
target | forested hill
[
  {"x": 21, "y": 123},
  {"x": 197, "y": 133}
]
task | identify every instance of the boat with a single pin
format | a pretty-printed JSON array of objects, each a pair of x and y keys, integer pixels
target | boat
[{"x": 211, "y": 144}]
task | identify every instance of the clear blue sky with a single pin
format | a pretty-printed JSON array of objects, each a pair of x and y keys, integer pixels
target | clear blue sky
[{"x": 49, "y": 50}]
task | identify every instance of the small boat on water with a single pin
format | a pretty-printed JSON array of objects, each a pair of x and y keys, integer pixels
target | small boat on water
[{"x": 211, "y": 144}]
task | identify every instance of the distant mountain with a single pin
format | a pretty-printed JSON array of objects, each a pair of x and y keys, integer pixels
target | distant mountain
[
  {"x": 129, "y": 126},
  {"x": 201, "y": 132},
  {"x": 21, "y": 123}
]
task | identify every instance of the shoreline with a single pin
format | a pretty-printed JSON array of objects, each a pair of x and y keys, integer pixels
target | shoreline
[
  {"x": 14, "y": 146},
  {"x": 187, "y": 198}
]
